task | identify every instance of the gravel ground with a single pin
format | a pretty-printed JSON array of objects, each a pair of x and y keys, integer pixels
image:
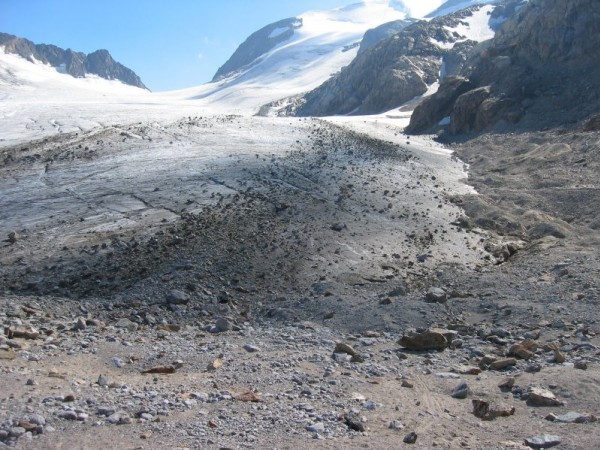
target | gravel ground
[{"x": 284, "y": 283}]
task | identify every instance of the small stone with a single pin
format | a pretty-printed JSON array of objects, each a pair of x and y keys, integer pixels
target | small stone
[
  {"x": 502, "y": 364},
  {"x": 410, "y": 438},
  {"x": 461, "y": 391},
  {"x": 386, "y": 301},
  {"x": 17, "y": 432},
  {"x": 215, "y": 364},
  {"x": 146, "y": 435},
  {"x": 13, "y": 237},
  {"x": 466, "y": 370},
  {"x": 102, "y": 381},
  {"x": 81, "y": 324},
  {"x": 357, "y": 359},
  {"x": 447, "y": 375},
  {"x": 575, "y": 417},
  {"x": 31, "y": 382},
  {"x": 524, "y": 350},
  {"x": 67, "y": 415},
  {"x": 37, "y": 419},
  {"x": 338, "y": 226},
  {"x": 345, "y": 348},
  {"x": 354, "y": 422},
  {"x": 542, "y": 397},
  {"x": 69, "y": 398},
  {"x": 543, "y": 441},
  {"x": 559, "y": 357},
  {"x": 508, "y": 383},
  {"x": 176, "y": 297},
  {"x": 119, "y": 418},
  {"x": 318, "y": 427},
  {"x": 436, "y": 295},
  {"x": 251, "y": 348},
  {"x": 395, "y": 425},
  {"x": 485, "y": 411},
  {"x": 581, "y": 365},
  {"x": 407, "y": 384}
]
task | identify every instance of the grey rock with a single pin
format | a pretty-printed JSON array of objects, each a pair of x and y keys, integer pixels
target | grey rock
[
  {"x": 318, "y": 427},
  {"x": 223, "y": 325},
  {"x": 436, "y": 295},
  {"x": 575, "y": 417},
  {"x": 119, "y": 418},
  {"x": 36, "y": 419},
  {"x": 67, "y": 415},
  {"x": 126, "y": 324},
  {"x": 176, "y": 297},
  {"x": 17, "y": 432},
  {"x": 251, "y": 348},
  {"x": 543, "y": 441},
  {"x": 461, "y": 391},
  {"x": 410, "y": 438}
]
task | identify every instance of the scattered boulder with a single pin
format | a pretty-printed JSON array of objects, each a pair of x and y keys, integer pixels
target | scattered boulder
[
  {"x": 543, "y": 441},
  {"x": 345, "y": 348},
  {"x": 461, "y": 391},
  {"x": 524, "y": 350},
  {"x": 542, "y": 397},
  {"x": 485, "y": 411},
  {"x": 410, "y": 438},
  {"x": 436, "y": 295},
  {"x": 176, "y": 297},
  {"x": 428, "y": 340},
  {"x": 574, "y": 417}
]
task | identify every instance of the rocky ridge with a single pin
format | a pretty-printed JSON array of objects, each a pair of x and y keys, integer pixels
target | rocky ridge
[
  {"x": 394, "y": 71},
  {"x": 527, "y": 77},
  {"x": 74, "y": 63}
]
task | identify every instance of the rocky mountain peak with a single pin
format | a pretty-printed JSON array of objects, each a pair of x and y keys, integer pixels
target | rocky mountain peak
[
  {"x": 76, "y": 64},
  {"x": 530, "y": 74}
]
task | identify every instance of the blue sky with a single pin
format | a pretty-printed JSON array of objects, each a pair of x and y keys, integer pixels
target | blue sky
[{"x": 170, "y": 44}]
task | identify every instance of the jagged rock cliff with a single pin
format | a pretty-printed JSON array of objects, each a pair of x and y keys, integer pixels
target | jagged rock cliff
[
  {"x": 70, "y": 62},
  {"x": 395, "y": 70},
  {"x": 541, "y": 70}
]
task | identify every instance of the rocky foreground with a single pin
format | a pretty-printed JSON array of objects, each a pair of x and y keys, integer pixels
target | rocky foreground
[{"x": 319, "y": 289}]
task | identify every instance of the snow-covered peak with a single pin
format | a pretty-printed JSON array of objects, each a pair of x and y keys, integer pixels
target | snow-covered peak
[
  {"x": 315, "y": 45},
  {"x": 33, "y": 80}
]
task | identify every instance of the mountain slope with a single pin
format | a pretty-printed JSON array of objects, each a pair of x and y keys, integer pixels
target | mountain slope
[
  {"x": 307, "y": 50},
  {"x": 541, "y": 70},
  {"x": 402, "y": 67},
  {"x": 76, "y": 64}
]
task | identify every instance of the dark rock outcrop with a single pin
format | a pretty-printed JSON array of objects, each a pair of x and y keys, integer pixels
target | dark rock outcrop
[
  {"x": 541, "y": 70},
  {"x": 76, "y": 64},
  {"x": 384, "y": 31},
  {"x": 395, "y": 70},
  {"x": 257, "y": 45}
]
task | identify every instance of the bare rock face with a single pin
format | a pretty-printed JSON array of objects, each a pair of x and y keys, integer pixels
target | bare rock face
[
  {"x": 76, "y": 64},
  {"x": 393, "y": 71},
  {"x": 531, "y": 73},
  {"x": 435, "y": 108}
]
